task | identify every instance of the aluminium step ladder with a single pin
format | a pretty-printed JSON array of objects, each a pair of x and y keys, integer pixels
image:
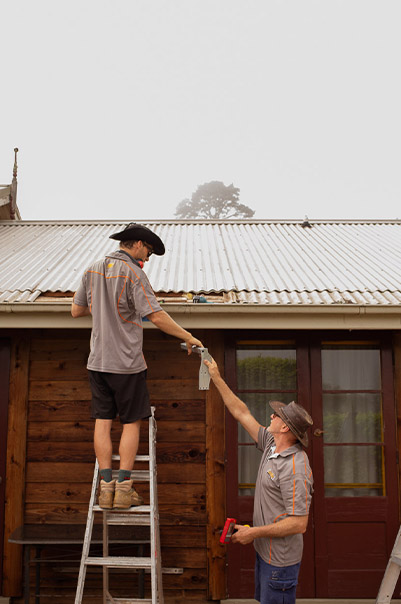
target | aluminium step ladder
[
  {"x": 144, "y": 515},
  {"x": 391, "y": 574}
]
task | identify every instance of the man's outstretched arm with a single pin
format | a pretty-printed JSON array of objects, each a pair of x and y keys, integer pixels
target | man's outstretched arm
[
  {"x": 163, "y": 321},
  {"x": 236, "y": 407}
]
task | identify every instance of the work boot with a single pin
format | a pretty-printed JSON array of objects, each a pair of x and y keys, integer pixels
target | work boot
[
  {"x": 126, "y": 496},
  {"x": 106, "y": 494}
]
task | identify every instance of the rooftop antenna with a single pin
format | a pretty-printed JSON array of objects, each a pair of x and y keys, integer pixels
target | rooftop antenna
[{"x": 13, "y": 191}]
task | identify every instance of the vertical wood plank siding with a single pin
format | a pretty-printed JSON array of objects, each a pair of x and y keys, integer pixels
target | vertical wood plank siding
[
  {"x": 397, "y": 392},
  {"x": 190, "y": 457},
  {"x": 5, "y": 357},
  {"x": 15, "y": 469}
]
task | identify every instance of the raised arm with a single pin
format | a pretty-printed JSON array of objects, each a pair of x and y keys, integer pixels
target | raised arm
[{"x": 236, "y": 407}]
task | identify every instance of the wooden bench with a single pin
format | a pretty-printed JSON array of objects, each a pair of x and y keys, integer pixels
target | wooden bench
[{"x": 58, "y": 535}]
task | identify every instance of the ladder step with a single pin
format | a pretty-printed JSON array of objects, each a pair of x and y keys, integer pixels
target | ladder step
[
  {"x": 396, "y": 560},
  {"x": 135, "y": 509},
  {"x": 139, "y": 515},
  {"x": 137, "y": 458},
  {"x": 125, "y": 520},
  {"x": 125, "y": 601},
  {"x": 136, "y": 475},
  {"x": 119, "y": 562}
]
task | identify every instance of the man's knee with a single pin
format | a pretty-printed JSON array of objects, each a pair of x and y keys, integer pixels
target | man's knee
[
  {"x": 132, "y": 426},
  {"x": 103, "y": 427}
]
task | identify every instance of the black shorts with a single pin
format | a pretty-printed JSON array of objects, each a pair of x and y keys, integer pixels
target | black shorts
[{"x": 120, "y": 394}]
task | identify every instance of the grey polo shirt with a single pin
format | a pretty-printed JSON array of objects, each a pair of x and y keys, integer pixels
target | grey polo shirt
[
  {"x": 284, "y": 488},
  {"x": 118, "y": 294}
]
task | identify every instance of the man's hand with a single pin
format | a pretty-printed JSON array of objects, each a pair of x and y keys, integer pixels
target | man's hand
[
  {"x": 244, "y": 534},
  {"x": 213, "y": 368},
  {"x": 193, "y": 342}
]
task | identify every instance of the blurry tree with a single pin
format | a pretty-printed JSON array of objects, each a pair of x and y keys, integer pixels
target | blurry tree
[
  {"x": 213, "y": 200},
  {"x": 267, "y": 373}
]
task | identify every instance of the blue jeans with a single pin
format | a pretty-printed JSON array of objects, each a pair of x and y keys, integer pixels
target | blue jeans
[{"x": 275, "y": 584}]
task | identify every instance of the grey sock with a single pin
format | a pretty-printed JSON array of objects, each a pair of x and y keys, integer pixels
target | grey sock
[
  {"x": 124, "y": 475},
  {"x": 106, "y": 474}
]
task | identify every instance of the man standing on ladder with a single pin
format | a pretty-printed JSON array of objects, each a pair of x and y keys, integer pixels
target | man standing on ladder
[
  {"x": 117, "y": 293},
  {"x": 282, "y": 495}
]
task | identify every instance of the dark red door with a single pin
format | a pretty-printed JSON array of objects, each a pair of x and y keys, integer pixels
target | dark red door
[
  {"x": 354, "y": 463},
  {"x": 4, "y": 387}
]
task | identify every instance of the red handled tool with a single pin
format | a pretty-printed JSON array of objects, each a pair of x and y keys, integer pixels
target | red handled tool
[{"x": 228, "y": 530}]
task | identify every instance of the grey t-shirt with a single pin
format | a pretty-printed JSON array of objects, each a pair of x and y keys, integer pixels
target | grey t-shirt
[
  {"x": 284, "y": 488},
  {"x": 118, "y": 294}
]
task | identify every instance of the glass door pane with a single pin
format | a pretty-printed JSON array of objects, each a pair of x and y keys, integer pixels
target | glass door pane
[
  {"x": 352, "y": 420},
  {"x": 265, "y": 371}
]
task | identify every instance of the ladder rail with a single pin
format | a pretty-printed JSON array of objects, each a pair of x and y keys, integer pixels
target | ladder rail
[
  {"x": 156, "y": 575},
  {"x": 87, "y": 537},
  {"x": 391, "y": 573}
]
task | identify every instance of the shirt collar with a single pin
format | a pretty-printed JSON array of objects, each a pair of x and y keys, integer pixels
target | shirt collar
[
  {"x": 290, "y": 451},
  {"x": 118, "y": 252}
]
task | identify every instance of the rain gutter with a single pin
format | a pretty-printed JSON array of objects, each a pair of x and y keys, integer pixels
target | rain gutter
[{"x": 57, "y": 315}]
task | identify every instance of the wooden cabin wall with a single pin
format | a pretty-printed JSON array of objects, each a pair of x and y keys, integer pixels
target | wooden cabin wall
[{"x": 60, "y": 460}]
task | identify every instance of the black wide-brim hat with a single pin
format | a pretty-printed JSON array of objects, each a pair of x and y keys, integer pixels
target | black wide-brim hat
[
  {"x": 139, "y": 232},
  {"x": 295, "y": 417}
]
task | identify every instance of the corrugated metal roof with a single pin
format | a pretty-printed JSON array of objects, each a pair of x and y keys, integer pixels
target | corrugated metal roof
[{"x": 264, "y": 262}]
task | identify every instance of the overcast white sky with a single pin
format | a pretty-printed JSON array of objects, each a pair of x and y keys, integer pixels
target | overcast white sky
[{"x": 122, "y": 108}]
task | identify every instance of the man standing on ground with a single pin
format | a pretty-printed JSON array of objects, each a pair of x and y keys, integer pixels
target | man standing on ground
[
  {"x": 117, "y": 293},
  {"x": 282, "y": 495}
]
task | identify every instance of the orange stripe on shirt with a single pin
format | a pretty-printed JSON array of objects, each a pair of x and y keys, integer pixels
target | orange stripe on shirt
[
  {"x": 293, "y": 487},
  {"x": 130, "y": 267},
  {"x": 118, "y": 304},
  {"x": 271, "y": 538},
  {"x": 306, "y": 486},
  {"x": 126, "y": 278}
]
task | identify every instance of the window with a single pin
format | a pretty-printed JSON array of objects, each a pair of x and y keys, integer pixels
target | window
[
  {"x": 352, "y": 420},
  {"x": 265, "y": 371}
]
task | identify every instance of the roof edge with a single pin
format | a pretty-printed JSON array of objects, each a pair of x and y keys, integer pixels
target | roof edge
[
  {"x": 299, "y": 221},
  {"x": 218, "y": 317}
]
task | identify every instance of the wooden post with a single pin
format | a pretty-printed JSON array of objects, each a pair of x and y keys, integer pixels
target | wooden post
[
  {"x": 397, "y": 392},
  {"x": 5, "y": 354},
  {"x": 215, "y": 477},
  {"x": 15, "y": 471}
]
